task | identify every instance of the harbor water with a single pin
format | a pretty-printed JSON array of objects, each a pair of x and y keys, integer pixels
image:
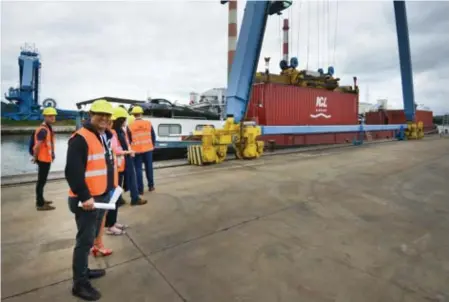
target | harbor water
[{"x": 16, "y": 159}]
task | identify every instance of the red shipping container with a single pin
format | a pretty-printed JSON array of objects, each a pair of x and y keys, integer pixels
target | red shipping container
[
  {"x": 397, "y": 117},
  {"x": 377, "y": 118},
  {"x": 425, "y": 116},
  {"x": 287, "y": 105}
]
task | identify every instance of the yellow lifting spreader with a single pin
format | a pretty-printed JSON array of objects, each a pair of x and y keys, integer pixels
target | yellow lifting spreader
[
  {"x": 215, "y": 143},
  {"x": 414, "y": 130}
]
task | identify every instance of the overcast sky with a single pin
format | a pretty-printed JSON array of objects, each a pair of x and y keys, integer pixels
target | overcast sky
[{"x": 168, "y": 49}]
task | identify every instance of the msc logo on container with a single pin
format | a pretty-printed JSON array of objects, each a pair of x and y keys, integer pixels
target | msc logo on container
[{"x": 321, "y": 108}]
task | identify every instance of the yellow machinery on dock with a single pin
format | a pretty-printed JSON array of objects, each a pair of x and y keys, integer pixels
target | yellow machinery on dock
[
  {"x": 414, "y": 130},
  {"x": 215, "y": 143},
  {"x": 306, "y": 78}
]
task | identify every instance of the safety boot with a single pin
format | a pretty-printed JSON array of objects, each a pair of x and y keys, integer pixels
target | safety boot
[
  {"x": 85, "y": 291},
  {"x": 139, "y": 202},
  {"x": 95, "y": 273},
  {"x": 45, "y": 207}
]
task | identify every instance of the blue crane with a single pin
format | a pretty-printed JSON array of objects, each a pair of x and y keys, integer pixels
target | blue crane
[
  {"x": 247, "y": 55},
  {"x": 26, "y": 97}
]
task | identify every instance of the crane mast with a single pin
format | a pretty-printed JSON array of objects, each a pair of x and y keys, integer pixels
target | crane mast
[{"x": 247, "y": 54}]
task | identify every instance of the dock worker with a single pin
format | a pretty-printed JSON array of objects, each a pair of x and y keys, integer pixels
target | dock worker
[
  {"x": 43, "y": 156},
  {"x": 91, "y": 174},
  {"x": 125, "y": 166},
  {"x": 143, "y": 139}
]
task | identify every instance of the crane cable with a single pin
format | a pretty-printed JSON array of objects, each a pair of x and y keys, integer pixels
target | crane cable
[
  {"x": 299, "y": 31},
  {"x": 318, "y": 35},
  {"x": 308, "y": 34},
  {"x": 328, "y": 43},
  {"x": 323, "y": 34},
  {"x": 290, "y": 36},
  {"x": 335, "y": 34},
  {"x": 280, "y": 37}
]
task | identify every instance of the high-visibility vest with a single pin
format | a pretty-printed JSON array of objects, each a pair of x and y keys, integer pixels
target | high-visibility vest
[
  {"x": 141, "y": 134},
  {"x": 47, "y": 147},
  {"x": 120, "y": 158},
  {"x": 96, "y": 175}
]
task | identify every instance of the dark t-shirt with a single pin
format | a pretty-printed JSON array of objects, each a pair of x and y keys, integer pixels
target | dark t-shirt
[{"x": 42, "y": 134}]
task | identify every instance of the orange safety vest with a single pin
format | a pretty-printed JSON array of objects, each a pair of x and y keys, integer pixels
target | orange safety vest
[
  {"x": 96, "y": 175},
  {"x": 47, "y": 147},
  {"x": 120, "y": 158},
  {"x": 141, "y": 134}
]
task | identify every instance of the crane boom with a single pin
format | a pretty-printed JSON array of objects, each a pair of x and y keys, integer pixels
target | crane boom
[{"x": 247, "y": 54}]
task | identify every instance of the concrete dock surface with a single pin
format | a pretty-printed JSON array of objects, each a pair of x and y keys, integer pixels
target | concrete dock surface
[{"x": 362, "y": 224}]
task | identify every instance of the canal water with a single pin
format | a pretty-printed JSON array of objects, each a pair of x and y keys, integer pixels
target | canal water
[{"x": 16, "y": 159}]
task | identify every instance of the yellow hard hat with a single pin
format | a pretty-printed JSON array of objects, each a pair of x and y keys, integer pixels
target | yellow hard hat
[
  {"x": 131, "y": 119},
  {"x": 120, "y": 112},
  {"x": 49, "y": 111},
  {"x": 113, "y": 118},
  {"x": 137, "y": 110},
  {"x": 101, "y": 106}
]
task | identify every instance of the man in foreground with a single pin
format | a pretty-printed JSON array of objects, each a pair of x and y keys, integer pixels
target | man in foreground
[{"x": 90, "y": 173}]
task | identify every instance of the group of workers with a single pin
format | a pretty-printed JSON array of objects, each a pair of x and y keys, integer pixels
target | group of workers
[{"x": 108, "y": 151}]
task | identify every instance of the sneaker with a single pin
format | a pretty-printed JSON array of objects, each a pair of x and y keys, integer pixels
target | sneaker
[
  {"x": 45, "y": 207},
  {"x": 121, "y": 226},
  {"x": 85, "y": 291}
]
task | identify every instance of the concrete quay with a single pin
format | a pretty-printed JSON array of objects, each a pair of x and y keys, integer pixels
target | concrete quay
[
  {"x": 19, "y": 179},
  {"x": 351, "y": 224}
]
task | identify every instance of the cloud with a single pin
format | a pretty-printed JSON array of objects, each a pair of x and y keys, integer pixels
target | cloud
[{"x": 168, "y": 49}]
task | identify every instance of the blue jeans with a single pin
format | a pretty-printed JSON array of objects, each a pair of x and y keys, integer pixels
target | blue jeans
[
  {"x": 147, "y": 159},
  {"x": 131, "y": 179}
]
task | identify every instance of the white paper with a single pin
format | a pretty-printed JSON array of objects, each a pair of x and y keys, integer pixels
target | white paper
[
  {"x": 115, "y": 196},
  {"x": 101, "y": 205},
  {"x": 107, "y": 206}
]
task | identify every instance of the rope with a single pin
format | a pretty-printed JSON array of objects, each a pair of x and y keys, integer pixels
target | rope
[{"x": 335, "y": 35}]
